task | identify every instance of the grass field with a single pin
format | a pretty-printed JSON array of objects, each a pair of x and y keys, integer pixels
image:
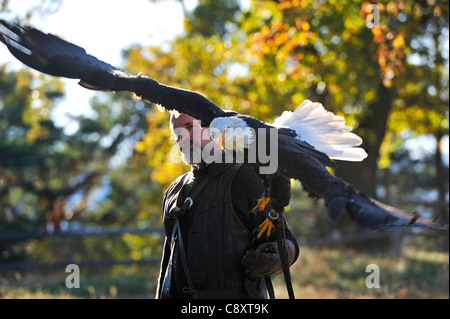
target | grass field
[
  {"x": 320, "y": 273},
  {"x": 335, "y": 273}
]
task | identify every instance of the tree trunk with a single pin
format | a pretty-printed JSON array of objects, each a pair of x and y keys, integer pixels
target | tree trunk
[
  {"x": 363, "y": 175},
  {"x": 373, "y": 127},
  {"x": 55, "y": 212}
]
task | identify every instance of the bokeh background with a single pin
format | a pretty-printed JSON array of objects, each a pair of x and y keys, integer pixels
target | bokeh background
[{"x": 82, "y": 173}]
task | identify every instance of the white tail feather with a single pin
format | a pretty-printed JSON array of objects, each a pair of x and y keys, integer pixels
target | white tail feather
[{"x": 324, "y": 130}]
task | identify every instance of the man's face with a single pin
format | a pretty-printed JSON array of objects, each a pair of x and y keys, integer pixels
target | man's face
[{"x": 190, "y": 136}]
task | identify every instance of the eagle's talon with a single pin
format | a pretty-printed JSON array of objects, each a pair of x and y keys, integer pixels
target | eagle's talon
[
  {"x": 265, "y": 226},
  {"x": 268, "y": 224},
  {"x": 261, "y": 205}
]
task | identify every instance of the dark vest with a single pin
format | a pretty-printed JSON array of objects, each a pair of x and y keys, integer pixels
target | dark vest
[{"x": 218, "y": 237}]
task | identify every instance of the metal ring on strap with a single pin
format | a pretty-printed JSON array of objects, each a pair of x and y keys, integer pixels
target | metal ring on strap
[
  {"x": 273, "y": 218},
  {"x": 190, "y": 200}
]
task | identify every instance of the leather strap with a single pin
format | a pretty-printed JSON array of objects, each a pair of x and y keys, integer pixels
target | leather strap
[
  {"x": 281, "y": 241},
  {"x": 269, "y": 287}
]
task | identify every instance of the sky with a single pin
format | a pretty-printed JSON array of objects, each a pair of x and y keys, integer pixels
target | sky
[{"x": 106, "y": 27}]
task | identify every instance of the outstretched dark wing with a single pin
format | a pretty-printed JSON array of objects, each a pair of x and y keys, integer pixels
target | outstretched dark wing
[
  {"x": 50, "y": 54},
  {"x": 374, "y": 215},
  {"x": 54, "y": 56},
  {"x": 340, "y": 195}
]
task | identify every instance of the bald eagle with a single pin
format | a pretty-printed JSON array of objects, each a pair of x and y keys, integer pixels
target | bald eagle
[{"x": 307, "y": 139}]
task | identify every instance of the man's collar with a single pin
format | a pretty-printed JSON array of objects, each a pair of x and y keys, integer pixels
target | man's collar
[
  {"x": 212, "y": 168},
  {"x": 217, "y": 168}
]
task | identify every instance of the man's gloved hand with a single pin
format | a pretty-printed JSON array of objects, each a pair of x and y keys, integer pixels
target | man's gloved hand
[{"x": 264, "y": 261}]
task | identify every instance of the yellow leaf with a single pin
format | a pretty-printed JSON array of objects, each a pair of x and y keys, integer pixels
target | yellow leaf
[
  {"x": 140, "y": 147},
  {"x": 305, "y": 26},
  {"x": 399, "y": 41}
]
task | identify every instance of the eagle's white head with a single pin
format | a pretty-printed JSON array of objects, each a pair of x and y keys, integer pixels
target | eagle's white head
[{"x": 232, "y": 133}]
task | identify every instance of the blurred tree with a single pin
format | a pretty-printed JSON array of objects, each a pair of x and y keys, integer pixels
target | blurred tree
[
  {"x": 281, "y": 53},
  {"x": 385, "y": 79},
  {"x": 49, "y": 177},
  {"x": 42, "y": 167},
  {"x": 212, "y": 17},
  {"x": 365, "y": 73}
]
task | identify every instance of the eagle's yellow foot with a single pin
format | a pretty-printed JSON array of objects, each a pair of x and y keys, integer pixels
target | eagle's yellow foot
[
  {"x": 262, "y": 202},
  {"x": 267, "y": 225}
]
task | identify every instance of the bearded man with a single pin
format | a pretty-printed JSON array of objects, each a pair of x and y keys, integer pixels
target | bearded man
[{"x": 210, "y": 250}]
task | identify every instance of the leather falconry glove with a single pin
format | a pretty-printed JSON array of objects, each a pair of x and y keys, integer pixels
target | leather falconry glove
[{"x": 264, "y": 261}]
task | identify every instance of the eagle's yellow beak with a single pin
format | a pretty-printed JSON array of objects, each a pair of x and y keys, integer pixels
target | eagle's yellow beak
[{"x": 220, "y": 139}]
